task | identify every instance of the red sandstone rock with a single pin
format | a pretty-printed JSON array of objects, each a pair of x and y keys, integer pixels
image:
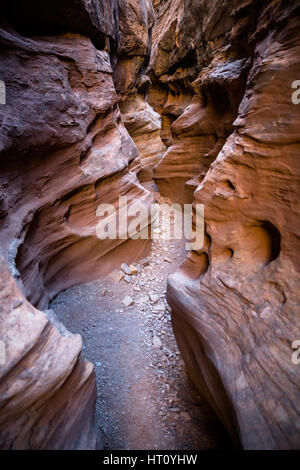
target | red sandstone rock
[
  {"x": 47, "y": 389},
  {"x": 64, "y": 150},
  {"x": 144, "y": 126},
  {"x": 235, "y": 303},
  {"x": 220, "y": 78},
  {"x": 76, "y": 127}
]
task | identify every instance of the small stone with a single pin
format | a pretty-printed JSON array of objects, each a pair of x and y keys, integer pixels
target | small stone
[
  {"x": 159, "y": 308},
  {"x": 103, "y": 293},
  {"x": 133, "y": 269},
  {"x": 154, "y": 298},
  {"x": 126, "y": 269},
  {"x": 156, "y": 342},
  {"x": 167, "y": 260},
  {"x": 144, "y": 263},
  {"x": 127, "y": 301}
]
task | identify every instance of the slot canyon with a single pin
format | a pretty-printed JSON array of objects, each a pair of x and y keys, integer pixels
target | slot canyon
[{"x": 137, "y": 342}]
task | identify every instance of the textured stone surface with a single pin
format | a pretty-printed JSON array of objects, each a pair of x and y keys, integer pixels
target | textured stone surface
[
  {"x": 235, "y": 302},
  {"x": 47, "y": 389},
  {"x": 144, "y": 126},
  {"x": 198, "y": 84},
  {"x": 96, "y": 91},
  {"x": 66, "y": 152},
  {"x": 63, "y": 151},
  {"x": 131, "y": 81}
]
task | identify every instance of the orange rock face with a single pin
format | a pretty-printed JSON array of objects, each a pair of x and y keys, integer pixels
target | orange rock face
[
  {"x": 64, "y": 150},
  {"x": 104, "y": 96},
  {"x": 76, "y": 155},
  {"x": 47, "y": 389},
  {"x": 235, "y": 302}
]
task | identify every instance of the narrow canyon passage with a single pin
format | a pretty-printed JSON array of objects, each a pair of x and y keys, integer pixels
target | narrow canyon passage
[
  {"x": 106, "y": 107},
  {"x": 144, "y": 397}
]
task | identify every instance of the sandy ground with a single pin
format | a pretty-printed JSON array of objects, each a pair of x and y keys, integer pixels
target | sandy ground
[{"x": 145, "y": 399}]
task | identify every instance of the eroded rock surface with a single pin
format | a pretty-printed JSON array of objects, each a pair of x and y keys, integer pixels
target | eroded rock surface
[
  {"x": 47, "y": 389},
  {"x": 96, "y": 93},
  {"x": 144, "y": 126},
  {"x": 235, "y": 302},
  {"x": 64, "y": 150}
]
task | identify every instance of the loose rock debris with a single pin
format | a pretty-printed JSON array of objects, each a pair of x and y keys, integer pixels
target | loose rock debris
[{"x": 145, "y": 399}]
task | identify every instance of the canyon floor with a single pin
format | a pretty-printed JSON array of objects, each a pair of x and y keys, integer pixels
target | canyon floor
[{"x": 145, "y": 399}]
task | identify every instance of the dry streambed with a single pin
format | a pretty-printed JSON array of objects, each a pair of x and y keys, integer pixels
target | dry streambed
[{"x": 145, "y": 400}]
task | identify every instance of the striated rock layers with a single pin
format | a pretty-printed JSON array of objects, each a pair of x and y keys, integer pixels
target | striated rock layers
[
  {"x": 64, "y": 150},
  {"x": 224, "y": 91}
]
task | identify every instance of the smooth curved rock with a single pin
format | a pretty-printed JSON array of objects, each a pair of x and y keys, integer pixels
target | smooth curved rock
[
  {"x": 64, "y": 150},
  {"x": 197, "y": 97},
  {"x": 47, "y": 389},
  {"x": 144, "y": 126},
  {"x": 235, "y": 302},
  {"x": 66, "y": 153},
  {"x": 81, "y": 127}
]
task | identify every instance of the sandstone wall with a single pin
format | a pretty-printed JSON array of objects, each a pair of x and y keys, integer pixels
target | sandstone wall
[
  {"x": 236, "y": 142},
  {"x": 47, "y": 389},
  {"x": 64, "y": 150},
  {"x": 101, "y": 97}
]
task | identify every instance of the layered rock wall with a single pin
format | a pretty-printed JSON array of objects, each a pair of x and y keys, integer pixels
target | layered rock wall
[
  {"x": 47, "y": 389},
  {"x": 235, "y": 302},
  {"x": 103, "y": 96},
  {"x": 64, "y": 150}
]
